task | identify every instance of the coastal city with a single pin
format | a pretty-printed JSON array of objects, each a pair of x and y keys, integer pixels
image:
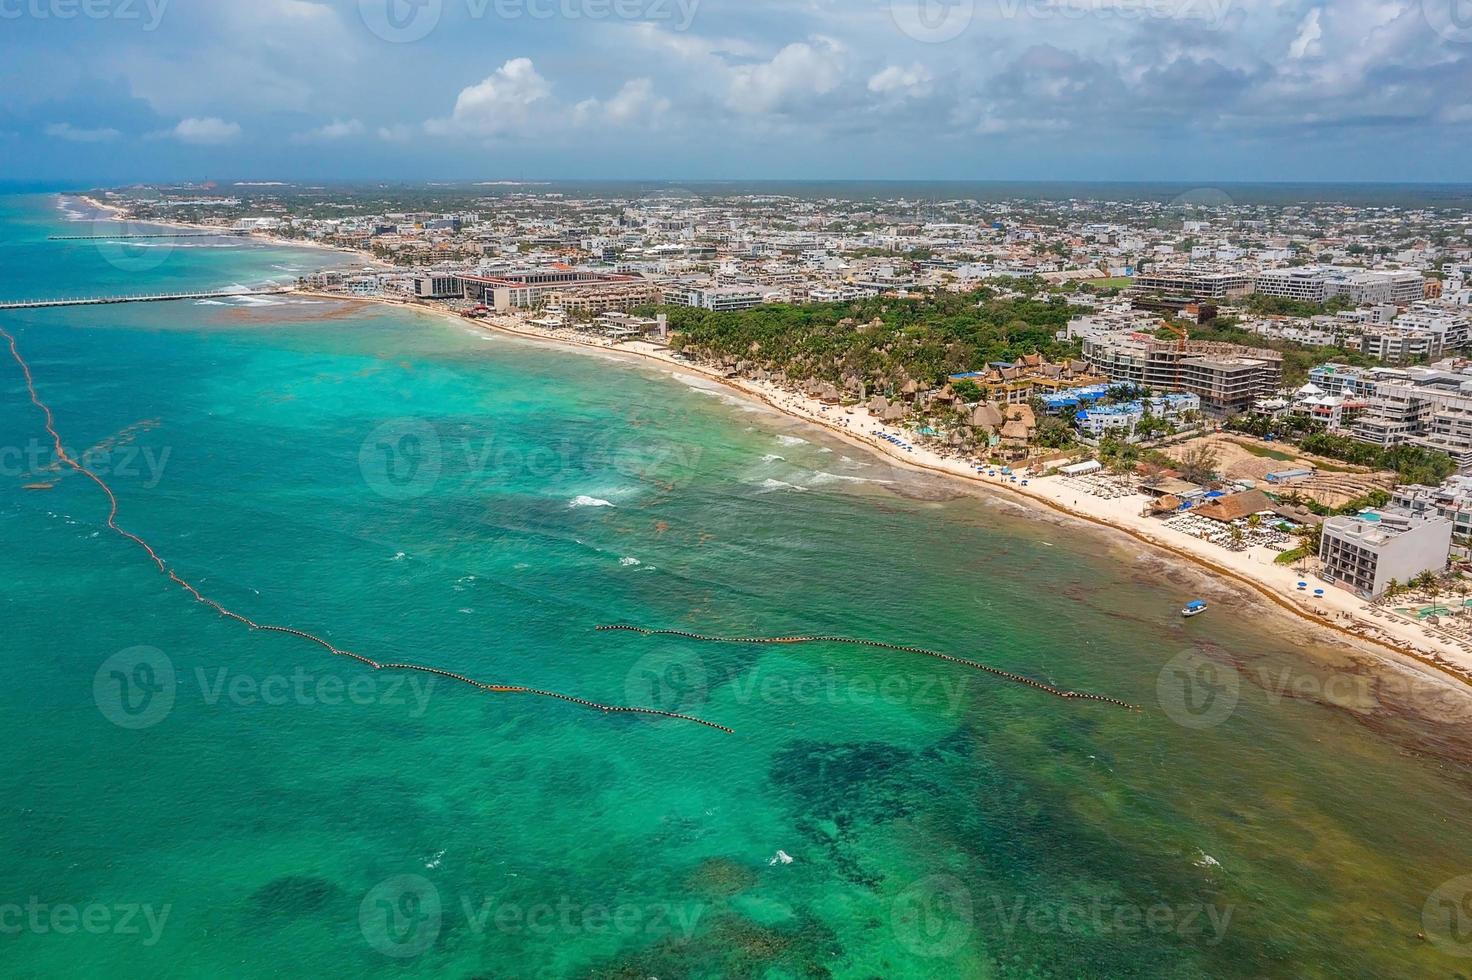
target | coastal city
[
  {"x": 1280, "y": 390},
  {"x": 704, "y": 489}
]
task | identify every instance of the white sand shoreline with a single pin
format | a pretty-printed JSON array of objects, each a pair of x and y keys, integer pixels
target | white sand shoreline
[
  {"x": 119, "y": 213},
  {"x": 1344, "y": 615}
]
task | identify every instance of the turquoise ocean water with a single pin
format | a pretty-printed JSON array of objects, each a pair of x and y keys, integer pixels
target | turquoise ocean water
[{"x": 186, "y": 797}]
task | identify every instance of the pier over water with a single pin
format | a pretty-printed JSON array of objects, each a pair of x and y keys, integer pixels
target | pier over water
[
  {"x": 37, "y": 304},
  {"x": 222, "y": 233}
]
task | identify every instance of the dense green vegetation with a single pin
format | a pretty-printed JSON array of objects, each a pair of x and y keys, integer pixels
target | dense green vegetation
[
  {"x": 1281, "y": 306},
  {"x": 921, "y": 339}
]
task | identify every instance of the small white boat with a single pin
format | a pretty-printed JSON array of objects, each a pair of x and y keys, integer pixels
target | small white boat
[{"x": 1194, "y": 608}]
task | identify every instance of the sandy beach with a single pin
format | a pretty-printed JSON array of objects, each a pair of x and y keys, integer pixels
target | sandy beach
[
  {"x": 117, "y": 212},
  {"x": 1346, "y": 616}
]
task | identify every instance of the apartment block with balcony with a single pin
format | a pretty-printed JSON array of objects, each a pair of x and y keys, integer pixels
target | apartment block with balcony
[
  {"x": 1421, "y": 406},
  {"x": 1227, "y": 378},
  {"x": 1452, "y": 500},
  {"x": 1195, "y": 283},
  {"x": 1364, "y": 553},
  {"x": 1320, "y": 283}
]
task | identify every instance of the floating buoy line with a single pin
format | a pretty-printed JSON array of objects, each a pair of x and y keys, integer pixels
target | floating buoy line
[
  {"x": 66, "y": 460},
  {"x": 112, "y": 523},
  {"x": 997, "y": 671}
]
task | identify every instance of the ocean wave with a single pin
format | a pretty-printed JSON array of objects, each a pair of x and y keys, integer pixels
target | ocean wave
[
  {"x": 770, "y": 485},
  {"x": 629, "y": 562},
  {"x": 583, "y": 500},
  {"x": 133, "y": 243},
  {"x": 792, "y": 441},
  {"x": 699, "y": 384},
  {"x": 822, "y": 477},
  {"x": 772, "y": 458}
]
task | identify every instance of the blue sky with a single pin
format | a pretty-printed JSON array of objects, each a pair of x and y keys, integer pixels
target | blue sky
[{"x": 989, "y": 89}]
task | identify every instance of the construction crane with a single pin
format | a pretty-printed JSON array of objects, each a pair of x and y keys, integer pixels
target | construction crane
[{"x": 1179, "y": 332}]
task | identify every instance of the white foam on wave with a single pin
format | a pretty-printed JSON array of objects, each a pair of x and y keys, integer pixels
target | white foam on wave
[
  {"x": 583, "y": 500},
  {"x": 772, "y": 458},
  {"x": 629, "y": 562},
  {"x": 698, "y": 383},
  {"x": 770, "y": 485},
  {"x": 133, "y": 243},
  {"x": 821, "y": 478},
  {"x": 792, "y": 441}
]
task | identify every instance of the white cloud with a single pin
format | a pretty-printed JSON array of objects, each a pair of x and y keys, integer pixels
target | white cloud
[
  {"x": 238, "y": 58},
  {"x": 798, "y": 72},
  {"x": 338, "y": 129},
  {"x": 207, "y": 131},
  {"x": 910, "y": 82},
  {"x": 397, "y": 133},
  {"x": 634, "y": 104},
  {"x": 511, "y": 100},
  {"x": 1309, "y": 33},
  {"x": 66, "y": 131}
]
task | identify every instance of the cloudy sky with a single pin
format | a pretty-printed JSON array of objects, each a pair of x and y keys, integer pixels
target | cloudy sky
[{"x": 483, "y": 89}]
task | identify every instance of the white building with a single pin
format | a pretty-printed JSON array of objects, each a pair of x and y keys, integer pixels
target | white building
[
  {"x": 1363, "y": 554},
  {"x": 1452, "y": 500},
  {"x": 717, "y": 298},
  {"x": 1120, "y": 420},
  {"x": 1320, "y": 283}
]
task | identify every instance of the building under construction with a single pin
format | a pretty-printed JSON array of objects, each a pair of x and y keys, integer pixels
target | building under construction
[{"x": 1227, "y": 378}]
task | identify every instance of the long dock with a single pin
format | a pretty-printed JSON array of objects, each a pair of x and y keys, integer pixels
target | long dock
[
  {"x": 38, "y": 304},
  {"x": 223, "y": 232}
]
